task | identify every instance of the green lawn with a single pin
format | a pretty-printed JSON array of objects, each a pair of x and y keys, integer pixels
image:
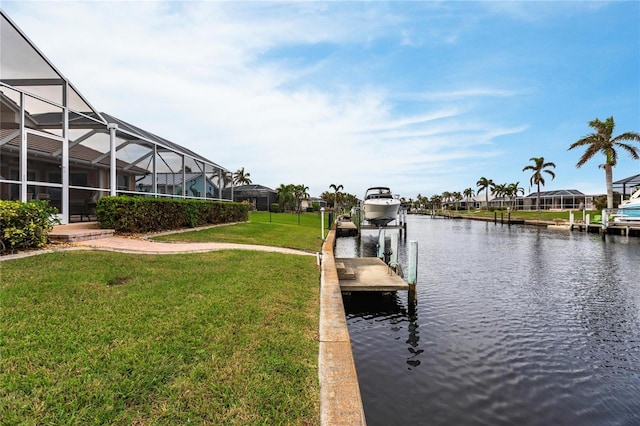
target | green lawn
[
  {"x": 289, "y": 230},
  {"x": 527, "y": 215},
  {"x": 106, "y": 338}
]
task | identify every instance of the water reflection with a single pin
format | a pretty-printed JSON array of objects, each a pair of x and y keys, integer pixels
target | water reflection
[
  {"x": 510, "y": 325},
  {"x": 369, "y": 309}
]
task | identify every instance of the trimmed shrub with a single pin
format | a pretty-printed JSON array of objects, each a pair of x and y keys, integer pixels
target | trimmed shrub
[
  {"x": 25, "y": 225},
  {"x": 143, "y": 214}
]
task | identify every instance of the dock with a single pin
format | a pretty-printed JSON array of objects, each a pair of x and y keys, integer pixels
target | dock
[
  {"x": 627, "y": 228},
  {"x": 346, "y": 228},
  {"x": 376, "y": 228},
  {"x": 367, "y": 274}
]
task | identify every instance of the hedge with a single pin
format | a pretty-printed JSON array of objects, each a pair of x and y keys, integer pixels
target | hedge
[
  {"x": 145, "y": 214},
  {"x": 25, "y": 225}
]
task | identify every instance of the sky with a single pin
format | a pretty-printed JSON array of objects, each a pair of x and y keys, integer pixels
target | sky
[{"x": 423, "y": 97}]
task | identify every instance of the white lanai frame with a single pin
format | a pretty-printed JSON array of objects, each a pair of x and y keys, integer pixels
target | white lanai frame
[{"x": 55, "y": 144}]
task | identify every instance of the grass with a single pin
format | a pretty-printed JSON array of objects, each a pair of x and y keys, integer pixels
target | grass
[
  {"x": 106, "y": 338},
  {"x": 263, "y": 228},
  {"x": 528, "y": 215}
]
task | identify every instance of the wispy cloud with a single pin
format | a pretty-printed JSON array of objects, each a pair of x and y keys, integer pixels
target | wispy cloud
[
  {"x": 460, "y": 94},
  {"x": 418, "y": 95}
]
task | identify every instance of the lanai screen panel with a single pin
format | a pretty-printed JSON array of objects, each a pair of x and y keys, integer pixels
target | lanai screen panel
[
  {"x": 169, "y": 165},
  {"x": 31, "y": 82},
  {"x": 18, "y": 59},
  {"x": 9, "y": 144},
  {"x": 133, "y": 156},
  {"x": 215, "y": 175},
  {"x": 195, "y": 186},
  {"x": 24, "y": 67}
]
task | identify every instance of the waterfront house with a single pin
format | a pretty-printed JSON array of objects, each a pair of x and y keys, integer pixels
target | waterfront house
[
  {"x": 55, "y": 145},
  {"x": 627, "y": 186},
  {"x": 563, "y": 199},
  {"x": 258, "y": 196}
]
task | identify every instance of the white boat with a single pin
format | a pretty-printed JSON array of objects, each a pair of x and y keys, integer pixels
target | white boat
[
  {"x": 380, "y": 206},
  {"x": 629, "y": 210}
]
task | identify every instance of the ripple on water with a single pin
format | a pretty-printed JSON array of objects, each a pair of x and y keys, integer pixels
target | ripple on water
[{"x": 511, "y": 326}]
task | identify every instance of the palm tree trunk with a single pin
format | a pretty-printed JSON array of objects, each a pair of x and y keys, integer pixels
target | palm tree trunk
[
  {"x": 538, "y": 199},
  {"x": 608, "y": 171}
]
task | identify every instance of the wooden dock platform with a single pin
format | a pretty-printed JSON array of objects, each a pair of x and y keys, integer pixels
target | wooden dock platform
[
  {"x": 624, "y": 228},
  {"x": 346, "y": 228},
  {"x": 367, "y": 274}
]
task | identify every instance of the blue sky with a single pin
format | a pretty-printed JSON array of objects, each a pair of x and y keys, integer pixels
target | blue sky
[{"x": 423, "y": 97}]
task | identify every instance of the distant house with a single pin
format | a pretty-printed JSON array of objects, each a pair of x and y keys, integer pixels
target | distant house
[
  {"x": 563, "y": 199},
  {"x": 55, "y": 145},
  {"x": 305, "y": 204},
  {"x": 476, "y": 202},
  {"x": 260, "y": 197}
]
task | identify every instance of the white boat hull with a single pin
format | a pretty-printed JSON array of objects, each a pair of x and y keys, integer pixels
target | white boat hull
[
  {"x": 381, "y": 212},
  {"x": 629, "y": 210}
]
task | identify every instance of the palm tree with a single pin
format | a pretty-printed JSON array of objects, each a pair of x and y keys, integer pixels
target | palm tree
[
  {"x": 513, "y": 189},
  {"x": 336, "y": 189},
  {"x": 486, "y": 185},
  {"x": 457, "y": 197},
  {"x": 285, "y": 195},
  {"x": 603, "y": 142},
  {"x": 436, "y": 201},
  {"x": 423, "y": 201},
  {"x": 241, "y": 177},
  {"x": 227, "y": 178},
  {"x": 446, "y": 198},
  {"x": 468, "y": 194},
  {"x": 300, "y": 192},
  {"x": 538, "y": 168},
  {"x": 500, "y": 190}
]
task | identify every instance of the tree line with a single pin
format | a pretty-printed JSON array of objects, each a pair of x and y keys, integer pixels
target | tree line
[{"x": 601, "y": 140}]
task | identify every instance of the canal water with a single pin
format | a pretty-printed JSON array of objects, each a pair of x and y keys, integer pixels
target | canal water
[{"x": 511, "y": 325}]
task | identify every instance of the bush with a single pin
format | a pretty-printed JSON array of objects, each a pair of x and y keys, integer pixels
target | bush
[
  {"x": 143, "y": 214},
  {"x": 275, "y": 208},
  {"x": 25, "y": 225}
]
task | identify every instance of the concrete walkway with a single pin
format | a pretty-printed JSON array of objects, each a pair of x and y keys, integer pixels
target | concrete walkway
[{"x": 144, "y": 246}]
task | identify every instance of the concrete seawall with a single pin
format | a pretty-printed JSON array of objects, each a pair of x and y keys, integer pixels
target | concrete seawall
[{"x": 340, "y": 399}]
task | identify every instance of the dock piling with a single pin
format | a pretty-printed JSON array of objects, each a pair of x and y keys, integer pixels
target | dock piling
[
  {"x": 571, "y": 220},
  {"x": 413, "y": 262},
  {"x": 394, "y": 249},
  {"x": 381, "y": 243}
]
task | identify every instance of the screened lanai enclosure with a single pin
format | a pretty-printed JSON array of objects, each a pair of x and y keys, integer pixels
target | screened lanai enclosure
[
  {"x": 564, "y": 199},
  {"x": 627, "y": 186},
  {"x": 55, "y": 146}
]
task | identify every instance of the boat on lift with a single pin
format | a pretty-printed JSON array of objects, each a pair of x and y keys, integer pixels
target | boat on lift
[
  {"x": 629, "y": 210},
  {"x": 380, "y": 206}
]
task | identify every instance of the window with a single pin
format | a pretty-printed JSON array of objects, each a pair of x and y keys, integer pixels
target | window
[{"x": 78, "y": 179}]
